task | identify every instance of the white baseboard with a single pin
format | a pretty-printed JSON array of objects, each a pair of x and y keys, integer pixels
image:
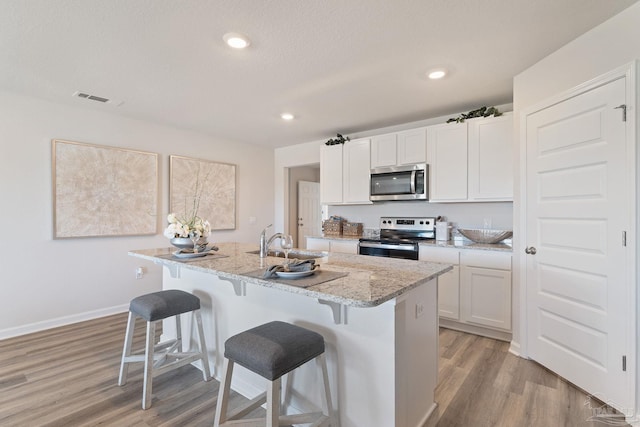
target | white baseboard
[
  {"x": 61, "y": 321},
  {"x": 514, "y": 348}
]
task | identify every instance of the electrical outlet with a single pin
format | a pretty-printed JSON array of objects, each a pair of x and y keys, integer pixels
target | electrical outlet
[
  {"x": 419, "y": 309},
  {"x": 139, "y": 272}
]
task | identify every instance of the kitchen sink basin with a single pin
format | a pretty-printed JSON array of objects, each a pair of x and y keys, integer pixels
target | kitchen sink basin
[{"x": 292, "y": 254}]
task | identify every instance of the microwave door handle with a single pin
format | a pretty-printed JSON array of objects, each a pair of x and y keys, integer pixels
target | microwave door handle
[{"x": 413, "y": 182}]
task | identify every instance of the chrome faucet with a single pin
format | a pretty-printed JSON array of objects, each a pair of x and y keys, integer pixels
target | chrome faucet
[{"x": 266, "y": 243}]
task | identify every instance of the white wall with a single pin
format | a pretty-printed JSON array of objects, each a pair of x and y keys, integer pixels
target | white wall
[
  {"x": 48, "y": 282},
  {"x": 610, "y": 45}
]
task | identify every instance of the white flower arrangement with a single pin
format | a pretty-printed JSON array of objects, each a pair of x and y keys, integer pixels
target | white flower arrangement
[{"x": 186, "y": 227}]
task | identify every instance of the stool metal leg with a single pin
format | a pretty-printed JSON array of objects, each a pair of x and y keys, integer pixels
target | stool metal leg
[
  {"x": 206, "y": 373},
  {"x": 148, "y": 365},
  {"x": 126, "y": 351}
]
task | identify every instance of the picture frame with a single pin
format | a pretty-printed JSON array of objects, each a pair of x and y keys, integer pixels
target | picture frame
[
  {"x": 205, "y": 186},
  {"x": 102, "y": 191}
]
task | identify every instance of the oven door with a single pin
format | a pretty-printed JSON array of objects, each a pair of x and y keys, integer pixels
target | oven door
[{"x": 390, "y": 250}]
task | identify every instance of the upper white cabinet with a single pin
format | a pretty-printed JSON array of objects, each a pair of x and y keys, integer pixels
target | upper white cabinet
[
  {"x": 447, "y": 159},
  {"x": 384, "y": 150},
  {"x": 412, "y": 146},
  {"x": 356, "y": 171},
  {"x": 490, "y": 158},
  {"x": 471, "y": 161},
  {"x": 402, "y": 148},
  {"x": 331, "y": 174},
  {"x": 345, "y": 173}
]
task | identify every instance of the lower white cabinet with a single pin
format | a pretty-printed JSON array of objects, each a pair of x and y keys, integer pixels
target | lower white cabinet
[
  {"x": 476, "y": 295},
  {"x": 332, "y": 245}
]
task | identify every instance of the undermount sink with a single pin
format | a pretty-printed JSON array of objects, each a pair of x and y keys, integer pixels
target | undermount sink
[{"x": 292, "y": 254}]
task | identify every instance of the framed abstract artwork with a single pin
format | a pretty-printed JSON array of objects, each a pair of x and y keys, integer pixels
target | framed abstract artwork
[
  {"x": 203, "y": 188},
  {"x": 103, "y": 191}
]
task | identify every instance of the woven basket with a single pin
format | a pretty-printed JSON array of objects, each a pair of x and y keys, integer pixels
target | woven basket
[
  {"x": 352, "y": 229},
  {"x": 332, "y": 228}
]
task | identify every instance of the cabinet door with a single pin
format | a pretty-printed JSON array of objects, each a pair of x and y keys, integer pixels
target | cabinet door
[
  {"x": 485, "y": 297},
  {"x": 356, "y": 173},
  {"x": 383, "y": 150},
  {"x": 447, "y": 159},
  {"x": 318, "y": 244},
  {"x": 331, "y": 174},
  {"x": 412, "y": 146},
  {"x": 344, "y": 246},
  {"x": 490, "y": 158},
  {"x": 449, "y": 294}
]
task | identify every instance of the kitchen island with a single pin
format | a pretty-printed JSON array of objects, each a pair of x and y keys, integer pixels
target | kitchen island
[{"x": 379, "y": 319}]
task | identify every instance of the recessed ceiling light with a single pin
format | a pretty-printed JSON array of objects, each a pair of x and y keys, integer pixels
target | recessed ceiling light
[
  {"x": 236, "y": 40},
  {"x": 436, "y": 74},
  {"x": 287, "y": 116}
]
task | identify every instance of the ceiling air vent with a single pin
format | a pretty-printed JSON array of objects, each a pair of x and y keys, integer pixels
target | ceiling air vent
[{"x": 96, "y": 98}]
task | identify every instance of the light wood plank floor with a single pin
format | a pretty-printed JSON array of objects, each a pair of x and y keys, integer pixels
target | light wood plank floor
[{"x": 68, "y": 377}]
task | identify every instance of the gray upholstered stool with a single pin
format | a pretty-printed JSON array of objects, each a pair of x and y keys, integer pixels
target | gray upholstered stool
[
  {"x": 272, "y": 350},
  {"x": 162, "y": 357}
]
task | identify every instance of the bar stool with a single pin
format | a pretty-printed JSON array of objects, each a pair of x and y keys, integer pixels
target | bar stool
[
  {"x": 272, "y": 350},
  {"x": 162, "y": 357}
]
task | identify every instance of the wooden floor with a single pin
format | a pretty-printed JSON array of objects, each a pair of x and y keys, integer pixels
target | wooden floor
[{"x": 68, "y": 377}]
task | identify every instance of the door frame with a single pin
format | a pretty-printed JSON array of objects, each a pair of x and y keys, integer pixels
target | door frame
[{"x": 629, "y": 72}]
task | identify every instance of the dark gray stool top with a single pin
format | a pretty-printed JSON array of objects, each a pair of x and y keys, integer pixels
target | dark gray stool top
[
  {"x": 163, "y": 304},
  {"x": 273, "y": 349}
]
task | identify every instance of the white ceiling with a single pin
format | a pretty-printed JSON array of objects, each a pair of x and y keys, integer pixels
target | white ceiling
[{"x": 338, "y": 65}]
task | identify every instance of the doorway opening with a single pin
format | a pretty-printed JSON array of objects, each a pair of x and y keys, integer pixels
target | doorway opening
[{"x": 301, "y": 210}]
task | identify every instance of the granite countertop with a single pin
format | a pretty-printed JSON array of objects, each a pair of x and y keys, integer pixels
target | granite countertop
[
  {"x": 458, "y": 244},
  {"x": 370, "y": 282}
]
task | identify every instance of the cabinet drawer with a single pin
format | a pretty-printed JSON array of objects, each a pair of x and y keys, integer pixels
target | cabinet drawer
[
  {"x": 486, "y": 259},
  {"x": 444, "y": 255},
  {"x": 317, "y": 244}
]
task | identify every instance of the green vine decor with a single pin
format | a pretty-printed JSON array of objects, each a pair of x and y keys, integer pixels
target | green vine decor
[
  {"x": 339, "y": 139},
  {"x": 480, "y": 112}
]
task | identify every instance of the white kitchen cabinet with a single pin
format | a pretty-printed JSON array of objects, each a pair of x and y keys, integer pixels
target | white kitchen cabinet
[
  {"x": 471, "y": 161},
  {"x": 448, "y": 283},
  {"x": 384, "y": 150},
  {"x": 331, "y": 174},
  {"x": 356, "y": 173},
  {"x": 345, "y": 173},
  {"x": 402, "y": 148},
  {"x": 332, "y": 245},
  {"x": 318, "y": 244},
  {"x": 447, "y": 159},
  {"x": 485, "y": 289},
  {"x": 412, "y": 146},
  {"x": 344, "y": 246},
  {"x": 490, "y": 158}
]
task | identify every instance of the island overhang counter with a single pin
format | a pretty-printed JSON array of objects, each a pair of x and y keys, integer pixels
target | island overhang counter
[{"x": 379, "y": 321}]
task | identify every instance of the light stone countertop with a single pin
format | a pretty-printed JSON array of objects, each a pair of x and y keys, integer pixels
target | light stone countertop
[
  {"x": 370, "y": 282},
  {"x": 457, "y": 244}
]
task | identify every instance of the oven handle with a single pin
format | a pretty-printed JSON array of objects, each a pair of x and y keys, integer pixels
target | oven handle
[{"x": 400, "y": 246}]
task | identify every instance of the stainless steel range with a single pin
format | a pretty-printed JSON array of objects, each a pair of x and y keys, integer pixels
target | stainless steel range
[{"x": 399, "y": 237}]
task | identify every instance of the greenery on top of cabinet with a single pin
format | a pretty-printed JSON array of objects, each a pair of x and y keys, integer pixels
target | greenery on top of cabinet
[
  {"x": 339, "y": 139},
  {"x": 480, "y": 112}
]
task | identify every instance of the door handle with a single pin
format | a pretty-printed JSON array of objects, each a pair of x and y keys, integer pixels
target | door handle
[{"x": 531, "y": 250}]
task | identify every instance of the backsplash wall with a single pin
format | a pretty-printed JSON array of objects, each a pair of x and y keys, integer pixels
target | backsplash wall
[{"x": 464, "y": 215}]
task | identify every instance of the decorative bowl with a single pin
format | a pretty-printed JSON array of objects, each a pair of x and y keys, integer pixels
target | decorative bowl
[
  {"x": 483, "y": 235},
  {"x": 185, "y": 242}
]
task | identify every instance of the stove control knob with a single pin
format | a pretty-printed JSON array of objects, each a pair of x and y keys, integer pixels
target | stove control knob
[{"x": 421, "y": 222}]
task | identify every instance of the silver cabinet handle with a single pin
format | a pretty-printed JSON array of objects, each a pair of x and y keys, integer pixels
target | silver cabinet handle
[{"x": 531, "y": 250}]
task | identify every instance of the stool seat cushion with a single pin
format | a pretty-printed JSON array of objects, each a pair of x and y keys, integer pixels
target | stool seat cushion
[
  {"x": 163, "y": 304},
  {"x": 273, "y": 349}
]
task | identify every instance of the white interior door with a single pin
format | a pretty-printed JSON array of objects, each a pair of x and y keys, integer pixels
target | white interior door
[
  {"x": 309, "y": 211},
  {"x": 577, "y": 209}
]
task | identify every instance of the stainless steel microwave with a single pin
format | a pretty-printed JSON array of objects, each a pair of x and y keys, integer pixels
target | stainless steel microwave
[{"x": 409, "y": 182}]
